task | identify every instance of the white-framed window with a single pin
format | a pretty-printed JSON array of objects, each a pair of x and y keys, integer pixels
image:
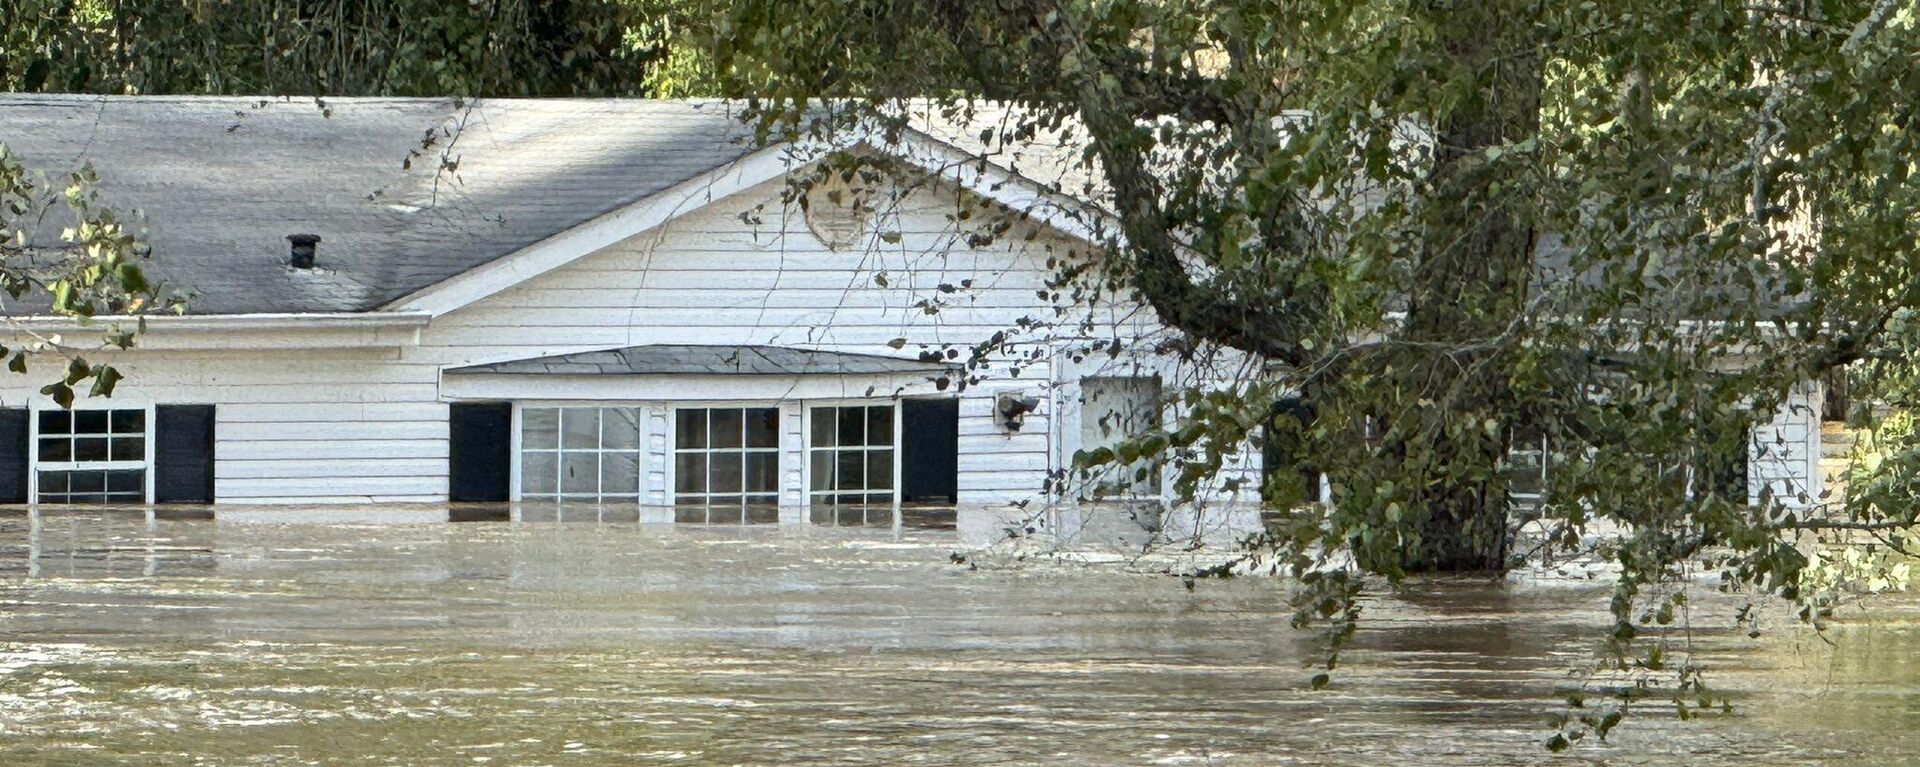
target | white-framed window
[
  {"x": 726, "y": 464},
  {"x": 1114, "y": 409},
  {"x": 92, "y": 455},
  {"x": 580, "y": 454},
  {"x": 853, "y": 463}
]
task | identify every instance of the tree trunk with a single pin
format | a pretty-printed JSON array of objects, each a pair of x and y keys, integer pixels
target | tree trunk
[{"x": 1469, "y": 289}]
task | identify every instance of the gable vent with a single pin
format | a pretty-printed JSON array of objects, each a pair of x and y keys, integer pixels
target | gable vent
[{"x": 837, "y": 212}]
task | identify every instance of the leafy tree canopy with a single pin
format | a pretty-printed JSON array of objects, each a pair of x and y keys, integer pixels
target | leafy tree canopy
[
  {"x": 1620, "y": 232},
  {"x": 351, "y": 47}
]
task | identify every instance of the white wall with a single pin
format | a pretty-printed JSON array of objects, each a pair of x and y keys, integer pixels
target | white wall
[
  {"x": 345, "y": 426},
  {"x": 305, "y": 426},
  {"x": 1784, "y": 454},
  {"x": 710, "y": 278},
  {"x": 370, "y": 425}
]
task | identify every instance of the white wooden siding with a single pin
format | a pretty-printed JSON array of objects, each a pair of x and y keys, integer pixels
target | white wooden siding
[
  {"x": 709, "y": 278},
  {"x": 312, "y": 426},
  {"x": 370, "y": 425},
  {"x": 1784, "y": 453}
]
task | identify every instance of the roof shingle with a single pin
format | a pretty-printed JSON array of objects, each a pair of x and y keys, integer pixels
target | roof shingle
[{"x": 221, "y": 181}]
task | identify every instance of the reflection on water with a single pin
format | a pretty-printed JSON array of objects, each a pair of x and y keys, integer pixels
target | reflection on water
[{"x": 132, "y": 639}]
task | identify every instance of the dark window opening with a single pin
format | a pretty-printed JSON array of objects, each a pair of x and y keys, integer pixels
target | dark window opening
[
  {"x": 480, "y": 457},
  {"x": 929, "y": 452}
]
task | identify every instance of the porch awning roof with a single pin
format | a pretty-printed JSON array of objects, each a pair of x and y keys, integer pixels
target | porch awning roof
[{"x": 709, "y": 359}]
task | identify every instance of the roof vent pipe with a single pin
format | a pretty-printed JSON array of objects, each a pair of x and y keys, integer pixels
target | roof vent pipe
[{"x": 303, "y": 247}]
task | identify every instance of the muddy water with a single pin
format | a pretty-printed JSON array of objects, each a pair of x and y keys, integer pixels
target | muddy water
[{"x": 125, "y": 640}]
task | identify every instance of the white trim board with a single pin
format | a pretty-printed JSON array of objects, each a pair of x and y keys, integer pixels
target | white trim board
[
  {"x": 200, "y": 332},
  {"x": 677, "y": 389}
]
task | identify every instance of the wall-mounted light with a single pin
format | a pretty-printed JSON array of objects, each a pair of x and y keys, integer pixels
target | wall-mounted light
[{"x": 1010, "y": 409}]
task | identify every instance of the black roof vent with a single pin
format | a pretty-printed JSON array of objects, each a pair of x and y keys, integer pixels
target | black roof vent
[{"x": 303, "y": 247}]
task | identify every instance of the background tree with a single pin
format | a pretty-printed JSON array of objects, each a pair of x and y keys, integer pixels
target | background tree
[
  {"x": 1624, "y": 229},
  {"x": 348, "y": 47}
]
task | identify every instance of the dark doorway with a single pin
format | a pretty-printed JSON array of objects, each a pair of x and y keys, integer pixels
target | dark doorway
[{"x": 930, "y": 451}]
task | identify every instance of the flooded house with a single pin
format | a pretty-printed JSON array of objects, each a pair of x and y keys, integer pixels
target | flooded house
[
  {"x": 607, "y": 303},
  {"x": 418, "y": 301}
]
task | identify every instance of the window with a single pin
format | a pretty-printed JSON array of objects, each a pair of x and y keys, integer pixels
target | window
[
  {"x": 851, "y": 463},
  {"x": 1114, "y": 410},
  {"x": 1721, "y": 467},
  {"x": 1288, "y": 471},
  {"x": 726, "y": 464},
  {"x": 1529, "y": 459},
  {"x": 585, "y": 454},
  {"x": 91, "y": 456}
]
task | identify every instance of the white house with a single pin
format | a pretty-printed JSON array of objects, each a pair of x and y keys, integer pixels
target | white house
[{"x": 580, "y": 301}]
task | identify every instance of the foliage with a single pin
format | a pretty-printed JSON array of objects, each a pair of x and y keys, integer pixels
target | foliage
[
  {"x": 348, "y": 47},
  {"x": 1626, "y": 229},
  {"x": 91, "y": 272}
]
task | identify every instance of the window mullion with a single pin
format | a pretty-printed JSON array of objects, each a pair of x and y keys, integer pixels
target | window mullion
[{"x": 111, "y": 477}]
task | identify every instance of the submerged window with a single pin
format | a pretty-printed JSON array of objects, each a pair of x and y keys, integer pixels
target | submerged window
[
  {"x": 726, "y": 464},
  {"x": 1112, "y": 411},
  {"x": 1529, "y": 459},
  {"x": 91, "y": 456},
  {"x": 580, "y": 454},
  {"x": 851, "y": 464}
]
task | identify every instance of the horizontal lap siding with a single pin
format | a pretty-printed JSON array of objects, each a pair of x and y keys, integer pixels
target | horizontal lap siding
[
  {"x": 296, "y": 427},
  {"x": 371, "y": 426},
  {"x": 711, "y": 279},
  {"x": 367, "y": 429},
  {"x": 1784, "y": 453}
]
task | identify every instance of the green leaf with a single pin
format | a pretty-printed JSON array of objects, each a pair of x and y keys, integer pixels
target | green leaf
[
  {"x": 103, "y": 382},
  {"x": 61, "y": 393}
]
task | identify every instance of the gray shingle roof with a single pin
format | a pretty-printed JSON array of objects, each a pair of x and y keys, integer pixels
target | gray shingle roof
[
  {"x": 221, "y": 181},
  {"x": 697, "y": 359}
]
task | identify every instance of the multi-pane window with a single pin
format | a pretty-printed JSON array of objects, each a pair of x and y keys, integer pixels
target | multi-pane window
[
  {"x": 1112, "y": 411},
  {"x": 726, "y": 464},
  {"x": 851, "y": 463},
  {"x": 586, "y": 454},
  {"x": 1528, "y": 463},
  {"x": 91, "y": 456}
]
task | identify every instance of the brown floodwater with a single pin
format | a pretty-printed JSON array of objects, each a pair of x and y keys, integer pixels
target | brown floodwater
[{"x": 131, "y": 640}]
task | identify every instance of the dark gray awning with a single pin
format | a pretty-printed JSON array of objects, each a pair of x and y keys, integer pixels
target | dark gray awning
[{"x": 676, "y": 359}]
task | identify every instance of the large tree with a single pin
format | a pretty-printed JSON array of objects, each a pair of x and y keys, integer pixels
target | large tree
[{"x": 1619, "y": 231}]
